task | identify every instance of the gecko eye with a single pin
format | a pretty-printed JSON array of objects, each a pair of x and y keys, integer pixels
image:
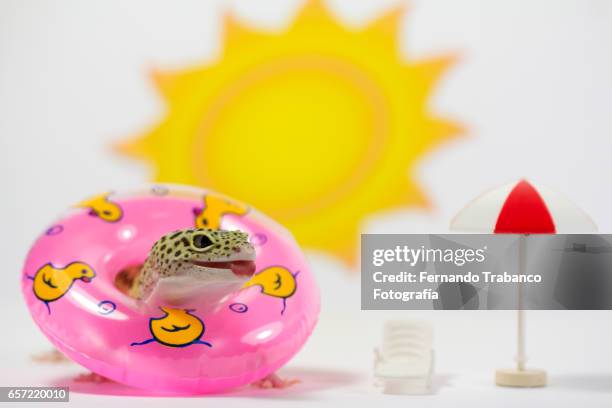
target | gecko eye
[{"x": 201, "y": 242}]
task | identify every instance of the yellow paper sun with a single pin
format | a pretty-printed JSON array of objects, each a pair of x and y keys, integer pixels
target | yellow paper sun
[{"x": 317, "y": 126}]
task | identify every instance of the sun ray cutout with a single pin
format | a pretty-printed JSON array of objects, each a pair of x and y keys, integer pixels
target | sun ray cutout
[{"x": 319, "y": 125}]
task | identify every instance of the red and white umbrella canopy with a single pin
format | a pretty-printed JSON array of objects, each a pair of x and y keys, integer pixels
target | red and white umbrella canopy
[{"x": 522, "y": 208}]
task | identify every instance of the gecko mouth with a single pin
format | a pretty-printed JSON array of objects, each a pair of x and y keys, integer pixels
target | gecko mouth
[{"x": 239, "y": 268}]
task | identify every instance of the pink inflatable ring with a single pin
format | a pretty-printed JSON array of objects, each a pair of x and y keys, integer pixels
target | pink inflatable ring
[{"x": 69, "y": 284}]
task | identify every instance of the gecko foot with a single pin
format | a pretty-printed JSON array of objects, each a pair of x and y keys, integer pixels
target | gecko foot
[
  {"x": 91, "y": 378},
  {"x": 274, "y": 381},
  {"x": 50, "y": 357}
]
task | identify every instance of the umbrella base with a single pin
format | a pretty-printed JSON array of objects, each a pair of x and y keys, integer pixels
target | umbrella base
[{"x": 512, "y": 377}]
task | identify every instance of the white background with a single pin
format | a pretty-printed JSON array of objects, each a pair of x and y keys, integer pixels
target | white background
[{"x": 534, "y": 88}]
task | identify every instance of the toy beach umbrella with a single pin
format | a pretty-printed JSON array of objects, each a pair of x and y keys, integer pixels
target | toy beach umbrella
[{"x": 522, "y": 208}]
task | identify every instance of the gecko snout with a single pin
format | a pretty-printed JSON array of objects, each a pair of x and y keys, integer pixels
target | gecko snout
[{"x": 245, "y": 251}]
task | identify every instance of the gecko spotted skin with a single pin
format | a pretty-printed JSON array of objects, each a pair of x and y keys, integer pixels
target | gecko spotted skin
[{"x": 201, "y": 253}]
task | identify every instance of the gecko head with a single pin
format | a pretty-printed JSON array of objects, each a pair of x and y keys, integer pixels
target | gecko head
[{"x": 206, "y": 255}]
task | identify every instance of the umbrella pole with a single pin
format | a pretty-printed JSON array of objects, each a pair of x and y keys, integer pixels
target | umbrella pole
[
  {"x": 521, "y": 376},
  {"x": 521, "y": 358}
]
